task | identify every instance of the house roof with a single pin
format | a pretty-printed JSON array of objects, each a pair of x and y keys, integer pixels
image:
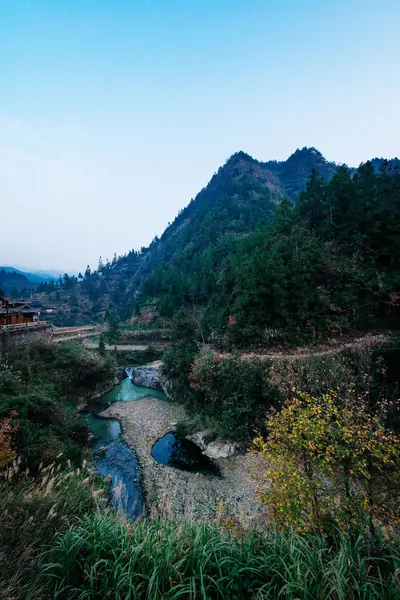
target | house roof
[
  {"x": 16, "y": 307},
  {"x": 24, "y": 308}
]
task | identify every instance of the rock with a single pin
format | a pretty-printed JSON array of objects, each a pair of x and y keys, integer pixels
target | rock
[
  {"x": 121, "y": 373},
  {"x": 198, "y": 438},
  {"x": 148, "y": 376},
  {"x": 221, "y": 449},
  {"x": 218, "y": 448},
  {"x": 167, "y": 385}
]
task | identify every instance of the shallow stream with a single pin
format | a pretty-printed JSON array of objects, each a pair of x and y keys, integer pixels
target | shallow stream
[{"x": 112, "y": 456}]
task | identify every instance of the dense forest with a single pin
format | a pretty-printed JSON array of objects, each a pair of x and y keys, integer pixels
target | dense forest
[
  {"x": 278, "y": 251},
  {"x": 327, "y": 265}
]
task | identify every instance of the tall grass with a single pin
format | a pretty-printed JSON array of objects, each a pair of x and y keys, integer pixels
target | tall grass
[
  {"x": 59, "y": 540},
  {"x": 103, "y": 557},
  {"x": 32, "y": 511}
]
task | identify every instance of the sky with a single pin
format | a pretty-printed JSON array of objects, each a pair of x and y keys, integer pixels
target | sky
[{"x": 115, "y": 113}]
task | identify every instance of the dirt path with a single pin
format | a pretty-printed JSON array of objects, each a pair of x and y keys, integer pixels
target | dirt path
[
  {"x": 300, "y": 353},
  {"x": 181, "y": 493},
  {"x": 137, "y": 347},
  {"x": 76, "y": 336}
]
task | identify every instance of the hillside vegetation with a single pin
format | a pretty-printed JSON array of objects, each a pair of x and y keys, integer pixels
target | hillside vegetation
[{"x": 257, "y": 268}]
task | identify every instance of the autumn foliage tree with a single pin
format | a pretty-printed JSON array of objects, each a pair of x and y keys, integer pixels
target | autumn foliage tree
[{"x": 328, "y": 462}]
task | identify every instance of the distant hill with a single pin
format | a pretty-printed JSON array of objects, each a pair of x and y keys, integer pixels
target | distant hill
[
  {"x": 12, "y": 281},
  {"x": 36, "y": 275}
]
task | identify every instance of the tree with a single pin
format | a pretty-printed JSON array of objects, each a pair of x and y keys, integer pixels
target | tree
[
  {"x": 113, "y": 333},
  {"x": 102, "y": 345},
  {"x": 328, "y": 462},
  {"x": 178, "y": 358}
]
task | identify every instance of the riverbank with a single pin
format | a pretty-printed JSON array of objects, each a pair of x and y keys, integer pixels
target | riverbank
[
  {"x": 176, "y": 493},
  {"x": 86, "y": 399}
]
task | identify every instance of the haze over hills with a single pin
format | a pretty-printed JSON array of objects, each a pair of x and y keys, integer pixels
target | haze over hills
[{"x": 17, "y": 280}]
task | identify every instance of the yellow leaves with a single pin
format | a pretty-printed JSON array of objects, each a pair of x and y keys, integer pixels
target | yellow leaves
[{"x": 319, "y": 453}]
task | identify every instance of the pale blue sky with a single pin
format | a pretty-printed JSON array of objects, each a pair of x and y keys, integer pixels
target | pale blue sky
[{"x": 114, "y": 113}]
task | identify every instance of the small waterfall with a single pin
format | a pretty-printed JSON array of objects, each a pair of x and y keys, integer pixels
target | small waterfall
[{"x": 129, "y": 372}]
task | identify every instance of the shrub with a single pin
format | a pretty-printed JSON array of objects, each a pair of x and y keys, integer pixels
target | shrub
[
  {"x": 43, "y": 383},
  {"x": 329, "y": 463},
  {"x": 234, "y": 392}
]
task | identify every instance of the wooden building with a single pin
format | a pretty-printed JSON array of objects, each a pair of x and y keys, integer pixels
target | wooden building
[{"x": 16, "y": 313}]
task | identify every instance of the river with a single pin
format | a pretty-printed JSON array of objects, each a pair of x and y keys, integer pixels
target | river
[{"x": 112, "y": 456}]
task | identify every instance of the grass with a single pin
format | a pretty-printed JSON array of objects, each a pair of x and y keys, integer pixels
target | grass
[
  {"x": 103, "y": 557},
  {"x": 32, "y": 511},
  {"x": 58, "y": 539}
]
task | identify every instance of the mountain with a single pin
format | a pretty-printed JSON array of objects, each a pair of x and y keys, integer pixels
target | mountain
[
  {"x": 18, "y": 280},
  {"x": 241, "y": 194},
  {"x": 32, "y": 276},
  {"x": 43, "y": 275},
  {"x": 37, "y": 275},
  {"x": 13, "y": 282},
  {"x": 200, "y": 253}
]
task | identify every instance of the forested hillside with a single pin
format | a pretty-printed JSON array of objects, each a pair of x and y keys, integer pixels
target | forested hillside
[
  {"x": 277, "y": 251},
  {"x": 13, "y": 283},
  {"x": 328, "y": 265}
]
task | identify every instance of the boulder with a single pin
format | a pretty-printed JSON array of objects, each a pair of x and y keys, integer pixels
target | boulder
[
  {"x": 221, "y": 449},
  {"x": 218, "y": 448},
  {"x": 148, "y": 376}
]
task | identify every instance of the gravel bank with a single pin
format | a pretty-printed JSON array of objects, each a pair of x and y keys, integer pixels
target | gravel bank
[{"x": 179, "y": 493}]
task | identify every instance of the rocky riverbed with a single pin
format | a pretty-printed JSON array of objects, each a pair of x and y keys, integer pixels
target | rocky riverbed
[{"x": 180, "y": 493}]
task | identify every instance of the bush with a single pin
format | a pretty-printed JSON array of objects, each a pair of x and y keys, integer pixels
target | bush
[
  {"x": 328, "y": 462},
  {"x": 232, "y": 391},
  {"x": 42, "y": 384},
  {"x": 138, "y": 357}
]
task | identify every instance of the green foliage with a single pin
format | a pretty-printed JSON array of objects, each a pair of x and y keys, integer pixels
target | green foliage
[
  {"x": 328, "y": 462},
  {"x": 43, "y": 384},
  {"x": 104, "y": 558},
  {"x": 58, "y": 540},
  {"x": 114, "y": 328},
  {"x": 179, "y": 357},
  {"x": 231, "y": 391},
  {"x": 327, "y": 266},
  {"x": 102, "y": 345},
  {"x": 32, "y": 512},
  {"x": 138, "y": 357}
]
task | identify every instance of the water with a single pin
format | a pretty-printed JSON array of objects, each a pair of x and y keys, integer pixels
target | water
[
  {"x": 174, "y": 451},
  {"x": 114, "y": 457}
]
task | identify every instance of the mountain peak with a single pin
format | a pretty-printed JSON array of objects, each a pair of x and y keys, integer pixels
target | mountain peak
[
  {"x": 240, "y": 157},
  {"x": 305, "y": 153}
]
